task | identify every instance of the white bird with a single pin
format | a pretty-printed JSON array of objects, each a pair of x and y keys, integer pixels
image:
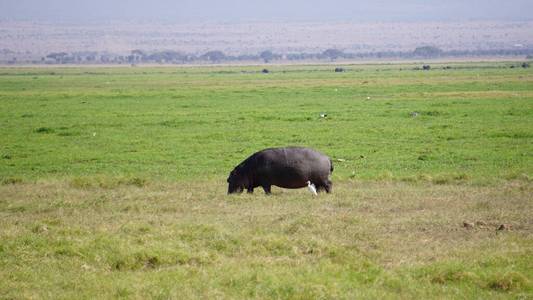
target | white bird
[{"x": 311, "y": 188}]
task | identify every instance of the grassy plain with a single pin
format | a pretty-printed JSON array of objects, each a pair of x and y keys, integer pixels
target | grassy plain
[{"x": 113, "y": 182}]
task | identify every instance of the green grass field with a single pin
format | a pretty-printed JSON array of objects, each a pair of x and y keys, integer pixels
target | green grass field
[{"x": 113, "y": 182}]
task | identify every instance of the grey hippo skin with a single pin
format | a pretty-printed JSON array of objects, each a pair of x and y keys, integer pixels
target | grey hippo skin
[{"x": 289, "y": 167}]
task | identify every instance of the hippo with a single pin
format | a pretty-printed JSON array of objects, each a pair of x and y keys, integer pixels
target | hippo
[{"x": 288, "y": 167}]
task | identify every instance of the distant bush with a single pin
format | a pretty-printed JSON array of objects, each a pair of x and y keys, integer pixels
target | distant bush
[
  {"x": 214, "y": 56},
  {"x": 59, "y": 57},
  {"x": 165, "y": 56},
  {"x": 427, "y": 52},
  {"x": 266, "y": 56},
  {"x": 332, "y": 54}
]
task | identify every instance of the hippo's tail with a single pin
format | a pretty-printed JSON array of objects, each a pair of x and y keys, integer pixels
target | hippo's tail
[{"x": 330, "y": 166}]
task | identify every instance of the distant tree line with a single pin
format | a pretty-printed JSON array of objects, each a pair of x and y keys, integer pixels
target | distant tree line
[{"x": 215, "y": 56}]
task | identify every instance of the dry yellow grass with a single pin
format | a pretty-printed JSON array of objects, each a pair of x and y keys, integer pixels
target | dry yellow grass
[{"x": 62, "y": 239}]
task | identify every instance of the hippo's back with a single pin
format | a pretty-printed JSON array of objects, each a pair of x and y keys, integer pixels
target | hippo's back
[{"x": 292, "y": 167}]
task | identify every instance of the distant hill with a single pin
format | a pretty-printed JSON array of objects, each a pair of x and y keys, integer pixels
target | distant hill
[{"x": 37, "y": 40}]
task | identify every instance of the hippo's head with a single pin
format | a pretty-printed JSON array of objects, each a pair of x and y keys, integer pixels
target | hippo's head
[{"x": 236, "y": 182}]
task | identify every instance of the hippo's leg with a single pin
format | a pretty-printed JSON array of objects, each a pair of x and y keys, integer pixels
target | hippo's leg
[
  {"x": 250, "y": 189},
  {"x": 266, "y": 187},
  {"x": 328, "y": 186},
  {"x": 319, "y": 187},
  {"x": 322, "y": 184}
]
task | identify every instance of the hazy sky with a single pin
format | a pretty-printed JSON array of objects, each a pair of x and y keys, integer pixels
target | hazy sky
[{"x": 249, "y": 10}]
